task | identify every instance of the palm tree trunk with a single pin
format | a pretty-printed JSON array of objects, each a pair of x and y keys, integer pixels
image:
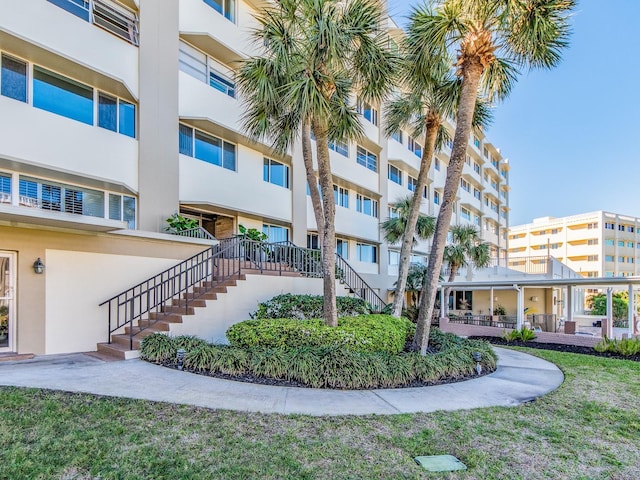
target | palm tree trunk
[
  {"x": 447, "y": 291},
  {"x": 472, "y": 71},
  {"x": 410, "y": 229},
  {"x": 329, "y": 309},
  {"x": 312, "y": 181}
]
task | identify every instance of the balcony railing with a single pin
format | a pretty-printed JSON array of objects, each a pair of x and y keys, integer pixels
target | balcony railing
[{"x": 105, "y": 14}]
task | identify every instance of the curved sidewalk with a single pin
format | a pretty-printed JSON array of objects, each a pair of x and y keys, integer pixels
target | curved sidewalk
[{"x": 519, "y": 378}]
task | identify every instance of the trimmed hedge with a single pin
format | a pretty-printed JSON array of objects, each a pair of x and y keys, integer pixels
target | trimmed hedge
[
  {"x": 329, "y": 367},
  {"x": 304, "y": 307},
  {"x": 365, "y": 333}
]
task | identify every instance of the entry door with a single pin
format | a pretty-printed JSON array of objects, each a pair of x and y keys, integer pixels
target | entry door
[{"x": 7, "y": 301}]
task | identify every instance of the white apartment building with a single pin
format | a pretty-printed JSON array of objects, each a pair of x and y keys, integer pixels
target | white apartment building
[
  {"x": 595, "y": 244},
  {"x": 116, "y": 114}
]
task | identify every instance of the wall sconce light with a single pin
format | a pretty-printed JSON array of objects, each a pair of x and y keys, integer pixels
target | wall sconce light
[
  {"x": 38, "y": 266},
  {"x": 495, "y": 299},
  {"x": 534, "y": 299}
]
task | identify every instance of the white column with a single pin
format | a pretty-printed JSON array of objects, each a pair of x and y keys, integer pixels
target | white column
[
  {"x": 631, "y": 311},
  {"x": 491, "y": 301},
  {"x": 569, "y": 304},
  {"x": 520, "y": 307},
  {"x": 610, "y": 312},
  {"x": 443, "y": 304}
]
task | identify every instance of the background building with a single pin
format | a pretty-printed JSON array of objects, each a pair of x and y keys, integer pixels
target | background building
[
  {"x": 116, "y": 114},
  {"x": 595, "y": 244}
]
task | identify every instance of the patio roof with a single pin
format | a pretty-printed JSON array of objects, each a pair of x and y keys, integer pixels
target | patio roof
[{"x": 546, "y": 282}]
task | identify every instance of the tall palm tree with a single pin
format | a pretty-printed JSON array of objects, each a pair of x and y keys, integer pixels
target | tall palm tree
[
  {"x": 432, "y": 96},
  {"x": 394, "y": 228},
  {"x": 317, "y": 56},
  {"x": 465, "y": 250},
  {"x": 492, "y": 39}
]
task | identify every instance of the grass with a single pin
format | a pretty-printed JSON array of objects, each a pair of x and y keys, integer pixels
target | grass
[{"x": 587, "y": 429}]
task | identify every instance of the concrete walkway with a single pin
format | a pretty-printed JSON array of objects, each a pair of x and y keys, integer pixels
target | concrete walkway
[{"x": 518, "y": 379}]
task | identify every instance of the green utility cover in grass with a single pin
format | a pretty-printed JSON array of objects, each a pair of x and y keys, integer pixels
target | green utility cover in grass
[{"x": 440, "y": 463}]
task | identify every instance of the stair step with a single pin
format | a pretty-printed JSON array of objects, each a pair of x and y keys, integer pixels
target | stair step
[
  {"x": 157, "y": 327},
  {"x": 178, "y": 310},
  {"x": 118, "y": 351},
  {"x": 204, "y": 295},
  {"x": 165, "y": 317},
  {"x": 192, "y": 303}
]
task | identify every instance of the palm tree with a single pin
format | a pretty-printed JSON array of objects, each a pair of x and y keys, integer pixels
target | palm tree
[
  {"x": 432, "y": 96},
  {"x": 318, "y": 56},
  {"x": 465, "y": 250},
  {"x": 493, "y": 39},
  {"x": 394, "y": 228}
]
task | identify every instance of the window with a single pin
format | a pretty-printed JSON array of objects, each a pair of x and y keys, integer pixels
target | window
[
  {"x": 366, "y": 253},
  {"x": 592, "y": 226},
  {"x": 466, "y": 214},
  {"x": 342, "y": 248},
  {"x": 366, "y": 205},
  {"x": 397, "y": 136},
  {"x": 436, "y": 198},
  {"x": 621, "y": 259},
  {"x": 341, "y": 196},
  {"x": 394, "y": 257},
  {"x": 275, "y": 233},
  {"x": 630, "y": 244},
  {"x": 275, "y": 172},
  {"x": 620, "y": 243},
  {"x": 630, "y": 229},
  {"x": 476, "y": 167},
  {"x": 425, "y": 192},
  {"x": 467, "y": 160},
  {"x": 610, "y": 242},
  {"x": 476, "y": 194},
  {"x": 79, "y": 8},
  {"x": 592, "y": 241},
  {"x": 414, "y": 147},
  {"x": 436, "y": 164},
  {"x": 339, "y": 146},
  {"x": 59, "y": 197},
  {"x": 629, "y": 259},
  {"x": 395, "y": 175},
  {"x": 393, "y": 212},
  {"x": 367, "y": 159},
  {"x": 368, "y": 112},
  {"x": 412, "y": 183},
  {"x": 13, "y": 79},
  {"x": 466, "y": 186},
  {"x": 63, "y": 96},
  {"x": 494, "y": 162},
  {"x": 204, "y": 68},
  {"x": 608, "y": 274},
  {"x": 122, "y": 207},
  {"x": 116, "y": 115},
  {"x": 476, "y": 141},
  {"x": 621, "y": 228},
  {"x": 313, "y": 241},
  {"x": 5, "y": 188},
  {"x": 227, "y": 8},
  {"x": 485, "y": 152},
  {"x": 207, "y": 148},
  {"x": 476, "y": 219},
  {"x": 608, "y": 258}
]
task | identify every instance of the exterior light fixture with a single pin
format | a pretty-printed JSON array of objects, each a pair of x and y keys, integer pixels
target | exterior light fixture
[
  {"x": 38, "y": 266},
  {"x": 534, "y": 299},
  {"x": 180, "y": 358},
  {"x": 477, "y": 357}
]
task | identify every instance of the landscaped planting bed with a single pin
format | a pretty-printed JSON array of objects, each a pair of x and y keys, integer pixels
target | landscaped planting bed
[{"x": 335, "y": 364}]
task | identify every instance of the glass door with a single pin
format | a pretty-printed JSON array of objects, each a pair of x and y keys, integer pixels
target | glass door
[{"x": 7, "y": 292}]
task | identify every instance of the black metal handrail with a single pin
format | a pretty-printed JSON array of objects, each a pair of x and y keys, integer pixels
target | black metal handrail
[{"x": 178, "y": 286}]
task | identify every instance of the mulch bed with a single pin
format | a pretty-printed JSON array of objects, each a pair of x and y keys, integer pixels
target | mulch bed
[{"x": 557, "y": 347}]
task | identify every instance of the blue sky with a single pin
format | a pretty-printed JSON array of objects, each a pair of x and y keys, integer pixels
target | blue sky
[{"x": 572, "y": 134}]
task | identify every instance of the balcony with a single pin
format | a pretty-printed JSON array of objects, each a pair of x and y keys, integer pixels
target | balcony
[{"x": 48, "y": 35}]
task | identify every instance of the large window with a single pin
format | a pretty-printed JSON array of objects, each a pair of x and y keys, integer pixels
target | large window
[
  {"x": 63, "y": 96},
  {"x": 342, "y": 248},
  {"x": 436, "y": 198},
  {"x": 61, "y": 198},
  {"x": 195, "y": 63},
  {"x": 275, "y": 233},
  {"x": 368, "y": 112},
  {"x": 466, "y": 214},
  {"x": 366, "y": 253},
  {"x": 341, "y": 196},
  {"x": 313, "y": 241},
  {"x": 5, "y": 188},
  {"x": 276, "y": 173},
  {"x": 116, "y": 115},
  {"x": 224, "y": 7},
  {"x": 414, "y": 146},
  {"x": 367, "y": 159},
  {"x": 366, "y": 205},
  {"x": 340, "y": 147},
  {"x": 395, "y": 175},
  {"x": 207, "y": 148},
  {"x": 13, "y": 78},
  {"x": 122, "y": 207},
  {"x": 412, "y": 183}
]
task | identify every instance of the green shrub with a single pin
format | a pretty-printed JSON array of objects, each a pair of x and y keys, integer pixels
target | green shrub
[
  {"x": 365, "y": 333},
  {"x": 625, "y": 347},
  {"x": 189, "y": 342},
  {"x": 304, "y": 307},
  {"x": 523, "y": 335},
  {"x": 158, "y": 348}
]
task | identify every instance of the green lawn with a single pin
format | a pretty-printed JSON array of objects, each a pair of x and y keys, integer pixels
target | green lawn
[{"x": 588, "y": 429}]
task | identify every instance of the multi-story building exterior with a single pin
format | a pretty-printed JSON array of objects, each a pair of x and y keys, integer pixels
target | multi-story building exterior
[
  {"x": 116, "y": 114},
  {"x": 595, "y": 244}
]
